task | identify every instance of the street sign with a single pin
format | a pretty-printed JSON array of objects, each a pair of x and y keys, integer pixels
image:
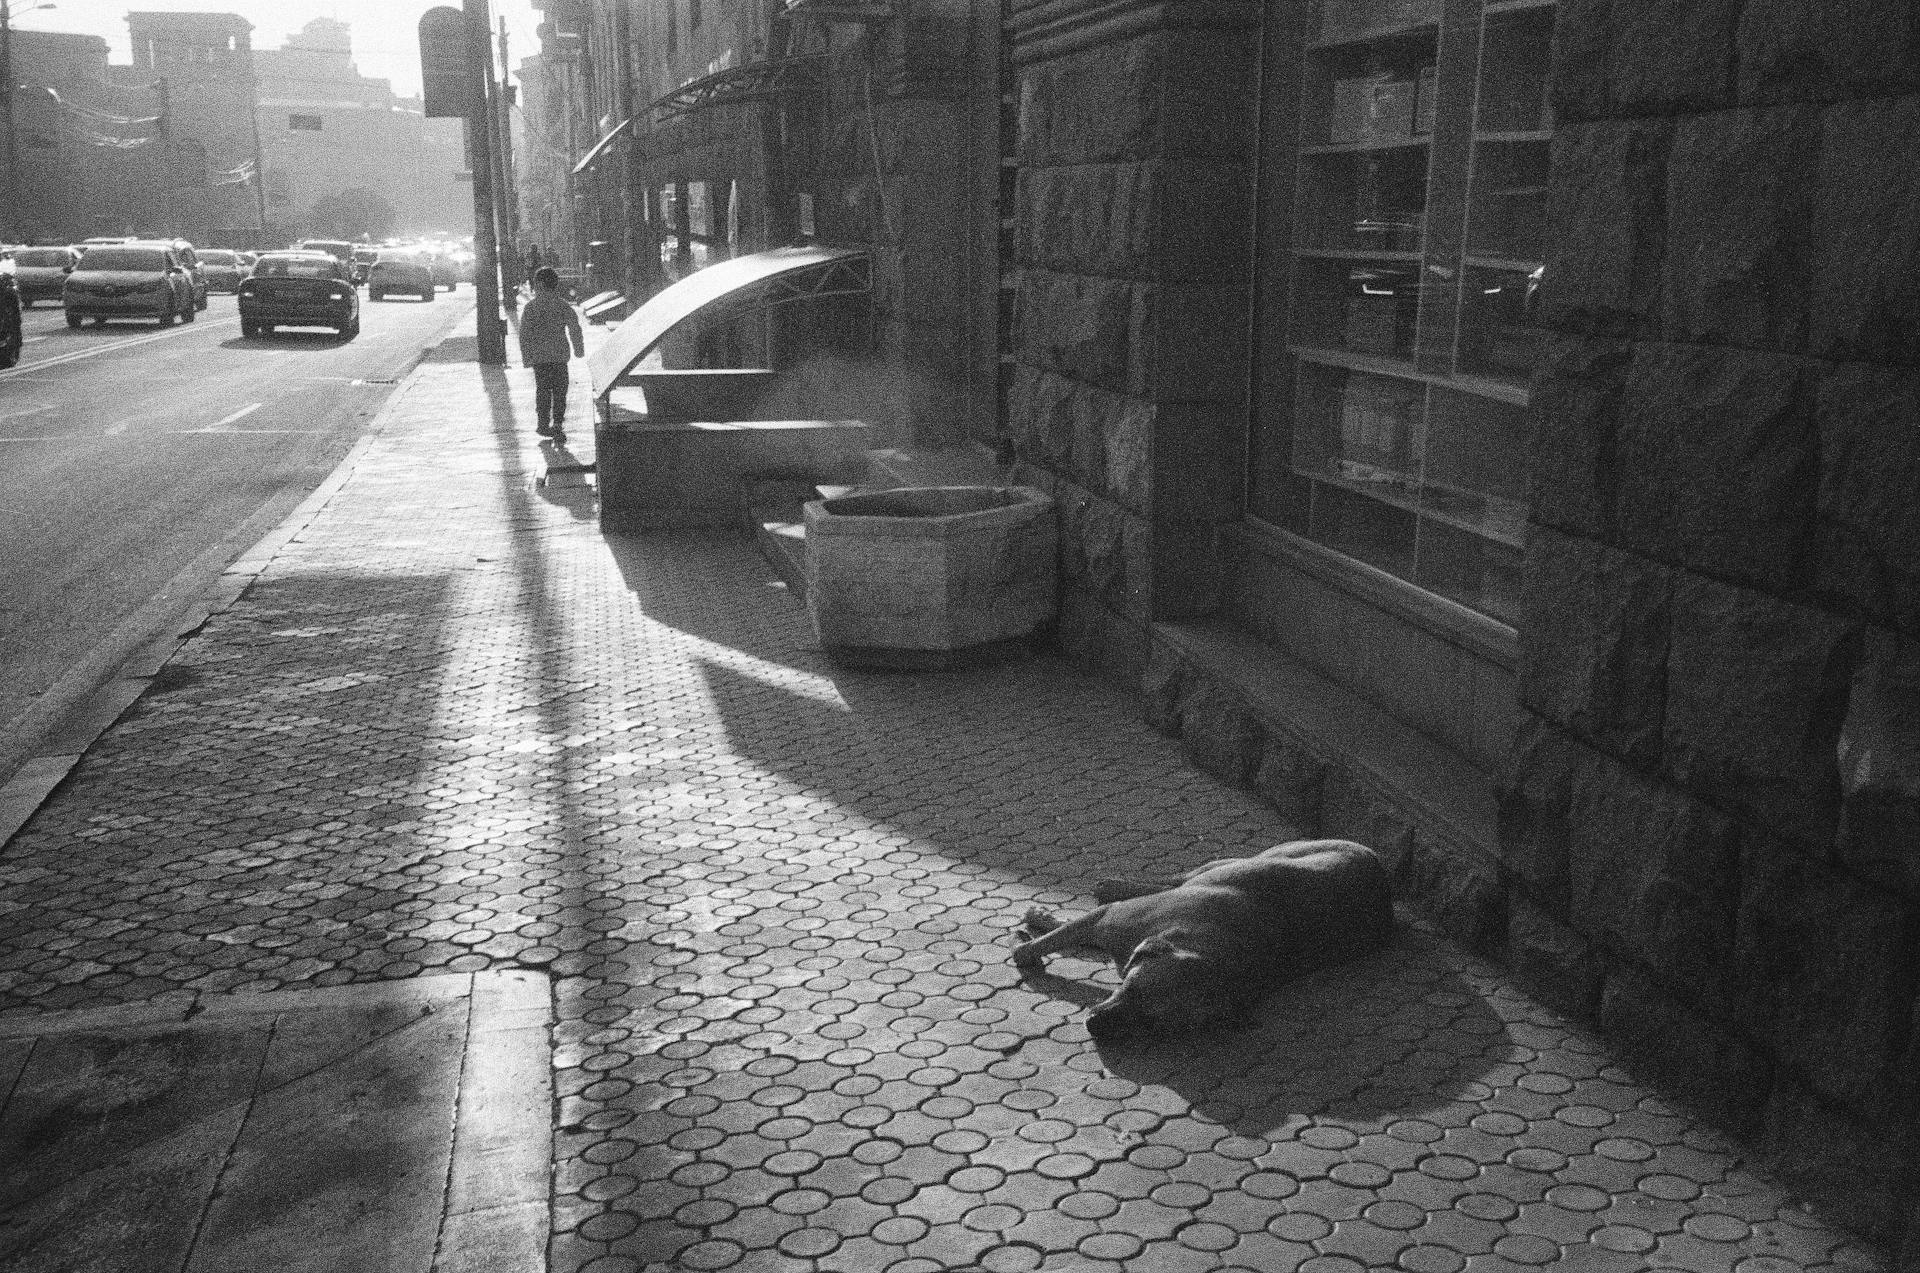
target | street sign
[{"x": 447, "y": 72}]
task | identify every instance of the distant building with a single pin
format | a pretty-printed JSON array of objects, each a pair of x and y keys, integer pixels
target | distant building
[
  {"x": 88, "y": 151},
  {"x": 339, "y": 144},
  {"x": 202, "y": 65}
]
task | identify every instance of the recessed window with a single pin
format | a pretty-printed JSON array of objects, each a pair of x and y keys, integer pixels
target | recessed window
[
  {"x": 304, "y": 123},
  {"x": 1395, "y": 430}
]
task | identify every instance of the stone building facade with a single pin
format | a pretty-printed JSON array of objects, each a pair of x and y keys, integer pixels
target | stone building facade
[{"x": 1485, "y": 428}]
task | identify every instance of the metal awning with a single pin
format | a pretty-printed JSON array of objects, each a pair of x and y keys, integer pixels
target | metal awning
[
  {"x": 754, "y": 82},
  {"x": 587, "y": 161},
  {"x": 727, "y": 290}
]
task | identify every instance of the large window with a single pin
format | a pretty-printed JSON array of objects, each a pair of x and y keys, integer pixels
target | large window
[{"x": 1396, "y": 433}]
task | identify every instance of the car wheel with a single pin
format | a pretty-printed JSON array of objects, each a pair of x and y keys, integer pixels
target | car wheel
[
  {"x": 10, "y": 339},
  {"x": 375, "y": 294},
  {"x": 188, "y": 314},
  {"x": 249, "y": 330},
  {"x": 430, "y": 295},
  {"x": 352, "y": 330},
  {"x": 74, "y": 321}
]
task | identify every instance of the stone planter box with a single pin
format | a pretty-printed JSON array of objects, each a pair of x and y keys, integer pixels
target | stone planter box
[{"x": 929, "y": 576}]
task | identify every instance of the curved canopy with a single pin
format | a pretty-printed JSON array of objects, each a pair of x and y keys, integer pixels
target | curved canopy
[
  {"x": 757, "y": 281},
  {"x": 613, "y": 135}
]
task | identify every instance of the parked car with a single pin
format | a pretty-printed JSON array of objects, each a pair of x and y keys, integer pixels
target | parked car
[
  {"x": 129, "y": 280},
  {"x": 400, "y": 272},
  {"x": 11, "y": 336},
  {"x": 41, "y": 272},
  {"x": 190, "y": 260},
  {"x": 222, "y": 270},
  {"x": 299, "y": 289}
]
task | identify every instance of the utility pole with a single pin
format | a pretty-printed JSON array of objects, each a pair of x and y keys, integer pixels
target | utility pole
[
  {"x": 259, "y": 154},
  {"x": 490, "y": 330},
  {"x": 509, "y": 201}
]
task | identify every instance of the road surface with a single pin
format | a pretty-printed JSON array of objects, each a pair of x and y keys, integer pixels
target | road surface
[{"x": 133, "y": 458}]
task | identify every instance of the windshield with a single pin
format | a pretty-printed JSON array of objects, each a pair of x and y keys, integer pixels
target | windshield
[
  {"x": 105, "y": 258},
  {"x": 216, "y": 257},
  {"x": 42, "y": 256},
  {"x": 296, "y": 267}
]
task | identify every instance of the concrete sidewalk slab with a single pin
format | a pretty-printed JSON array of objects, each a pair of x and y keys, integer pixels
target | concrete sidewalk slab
[
  {"x": 359, "y": 1127},
  {"x": 452, "y": 727}
]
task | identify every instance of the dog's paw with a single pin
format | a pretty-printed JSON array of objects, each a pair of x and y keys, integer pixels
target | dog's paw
[
  {"x": 1023, "y": 957},
  {"x": 1037, "y": 921}
]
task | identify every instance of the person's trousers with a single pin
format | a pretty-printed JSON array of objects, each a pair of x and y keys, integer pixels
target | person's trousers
[{"x": 549, "y": 393}]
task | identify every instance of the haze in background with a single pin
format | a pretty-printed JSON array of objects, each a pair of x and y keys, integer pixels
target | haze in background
[{"x": 385, "y": 39}]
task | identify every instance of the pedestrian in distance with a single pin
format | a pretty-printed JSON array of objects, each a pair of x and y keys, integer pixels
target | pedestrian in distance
[{"x": 549, "y": 335}]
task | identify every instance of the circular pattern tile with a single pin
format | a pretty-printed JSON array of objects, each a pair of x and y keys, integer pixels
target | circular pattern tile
[
  {"x": 1109, "y": 1246},
  {"x": 1066, "y": 1166},
  {"x": 1428, "y": 1258},
  {"x": 1527, "y": 1248},
  {"x": 1089, "y": 1204},
  {"x": 899, "y": 1230},
  {"x": 1714, "y": 1226},
  {"x": 1182, "y": 1195}
]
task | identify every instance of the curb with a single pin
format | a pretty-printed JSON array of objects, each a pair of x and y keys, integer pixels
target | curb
[{"x": 85, "y": 703}]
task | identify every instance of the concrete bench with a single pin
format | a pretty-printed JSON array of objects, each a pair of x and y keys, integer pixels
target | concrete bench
[{"x": 655, "y": 474}]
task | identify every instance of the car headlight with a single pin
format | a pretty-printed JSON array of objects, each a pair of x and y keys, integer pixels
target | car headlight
[{"x": 338, "y": 295}]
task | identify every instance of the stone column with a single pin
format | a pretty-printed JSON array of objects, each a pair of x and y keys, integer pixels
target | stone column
[{"x": 1132, "y": 220}]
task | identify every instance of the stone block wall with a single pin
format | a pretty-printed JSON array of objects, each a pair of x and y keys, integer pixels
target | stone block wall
[
  {"x": 889, "y": 156},
  {"x": 1711, "y": 827},
  {"x": 1126, "y": 393}
]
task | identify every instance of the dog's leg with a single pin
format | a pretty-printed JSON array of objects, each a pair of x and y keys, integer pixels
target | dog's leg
[
  {"x": 1119, "y": 890},
  {"x": 1037, "y": 922},
  {"x": 1029, "y": 954}
]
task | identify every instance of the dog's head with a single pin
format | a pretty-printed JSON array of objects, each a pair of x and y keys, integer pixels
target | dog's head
[{"x": 1168, "y": 988}]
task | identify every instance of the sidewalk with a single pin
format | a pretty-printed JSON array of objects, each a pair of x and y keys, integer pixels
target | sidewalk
[{"x": 452, "y": 729}]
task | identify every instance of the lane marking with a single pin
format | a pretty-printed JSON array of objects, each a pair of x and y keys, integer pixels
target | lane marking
[
  {"x": 187, "y": 433},
  {"x": 96, "y": 350},
  {"x": 241, "y": 414}
]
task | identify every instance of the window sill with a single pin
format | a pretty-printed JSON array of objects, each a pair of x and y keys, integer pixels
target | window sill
[{"x": 1447, "y": 620}]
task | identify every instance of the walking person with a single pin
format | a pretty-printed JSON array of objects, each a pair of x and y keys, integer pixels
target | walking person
[{"x": 549, "y": 335}]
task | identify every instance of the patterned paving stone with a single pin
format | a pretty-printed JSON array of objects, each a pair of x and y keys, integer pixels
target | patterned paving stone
[{"x": 453, "y": 726}]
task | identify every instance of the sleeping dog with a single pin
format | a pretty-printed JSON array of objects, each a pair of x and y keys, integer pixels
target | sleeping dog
[{"x": 1203, "y": 951}]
